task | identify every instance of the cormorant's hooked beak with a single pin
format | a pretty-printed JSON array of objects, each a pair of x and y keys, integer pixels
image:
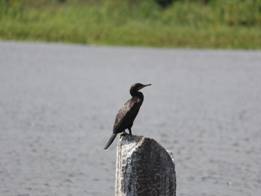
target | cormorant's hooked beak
[{"x": 144, "y": 85}]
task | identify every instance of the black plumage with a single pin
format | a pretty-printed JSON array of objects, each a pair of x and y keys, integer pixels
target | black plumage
[{"x": 127, "y": 114}]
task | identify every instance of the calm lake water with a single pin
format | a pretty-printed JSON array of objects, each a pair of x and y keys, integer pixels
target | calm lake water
[{"x": 58, "y": 103}]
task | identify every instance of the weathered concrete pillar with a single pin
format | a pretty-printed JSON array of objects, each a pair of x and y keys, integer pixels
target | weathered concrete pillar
[{"x": 143, "y": 168}]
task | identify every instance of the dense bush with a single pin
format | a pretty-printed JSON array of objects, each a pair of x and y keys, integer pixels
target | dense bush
[
  {"x": 240, "y": 12},
  {"x": 200, "y": 23},
  {"x": 229, "y": 12},
  {"x": 164, "y": 3}
]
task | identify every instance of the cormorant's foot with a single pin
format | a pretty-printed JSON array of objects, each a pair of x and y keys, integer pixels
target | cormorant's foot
[{"x": 124, "y": 134}]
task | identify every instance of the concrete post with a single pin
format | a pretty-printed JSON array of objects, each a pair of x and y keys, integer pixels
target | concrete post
[{"x": 143, "y": 168}]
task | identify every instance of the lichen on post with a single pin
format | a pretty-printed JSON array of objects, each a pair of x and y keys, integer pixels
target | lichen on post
[{"x": 143, "y": 168}]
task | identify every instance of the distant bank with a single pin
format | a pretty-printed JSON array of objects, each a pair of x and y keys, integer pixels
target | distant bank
[{"x": 192, "y": 24}]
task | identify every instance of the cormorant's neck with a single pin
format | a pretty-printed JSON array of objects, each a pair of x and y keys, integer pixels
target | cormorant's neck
[{"x": 136, "y": 94}]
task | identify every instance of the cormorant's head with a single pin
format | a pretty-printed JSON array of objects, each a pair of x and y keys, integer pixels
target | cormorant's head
[{"x": 138, "y": 86}]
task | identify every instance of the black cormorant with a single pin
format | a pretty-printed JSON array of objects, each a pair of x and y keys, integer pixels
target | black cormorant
[{"x": 127, "y": 114}]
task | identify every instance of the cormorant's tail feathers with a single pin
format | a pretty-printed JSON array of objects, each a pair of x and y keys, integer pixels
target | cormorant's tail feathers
[{"x": 110, "y": 141}]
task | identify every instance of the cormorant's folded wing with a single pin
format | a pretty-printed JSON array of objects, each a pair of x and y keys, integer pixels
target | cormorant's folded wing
[{"x": 124, "y": 114}]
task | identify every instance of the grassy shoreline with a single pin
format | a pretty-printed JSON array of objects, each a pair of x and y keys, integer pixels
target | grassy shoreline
[{"x": 142, "y": 25}]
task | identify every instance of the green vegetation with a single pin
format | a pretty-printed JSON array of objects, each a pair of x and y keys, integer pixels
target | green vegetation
[{"x": 184, "y": 23}]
